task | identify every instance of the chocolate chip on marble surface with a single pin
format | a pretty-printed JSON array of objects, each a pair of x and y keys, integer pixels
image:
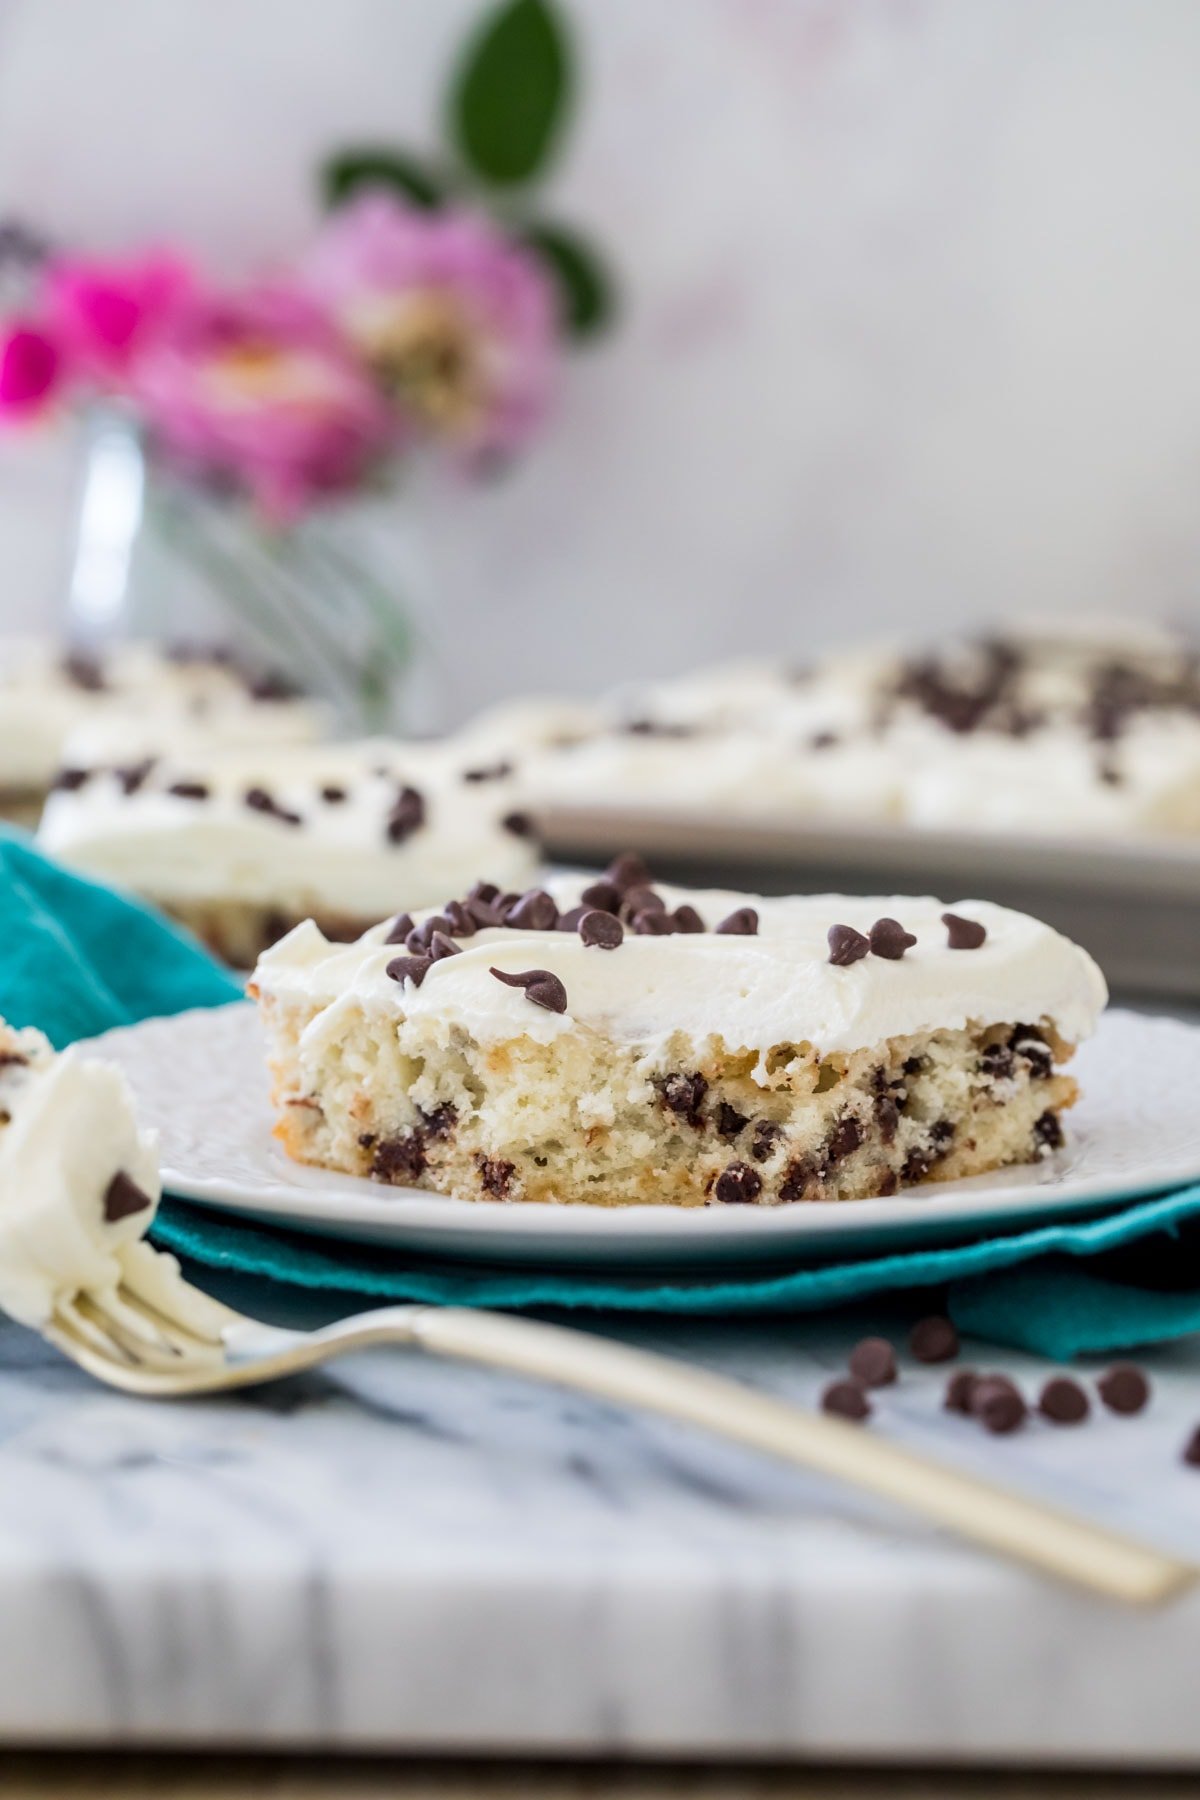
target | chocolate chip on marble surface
[
  {"x": 492, "y": 772},
  {"x": 68, "y": 780},
  {"x": 963, "y": 934},
  {"x": 410, "y": 968},
  {"x": 846, "y": 945},
  {"x": 600, "y": 931},
  {"x": 189, "y": 790},
  {"x": 998, "y": 1404},
  {"x": 1063, "y": 1401},
  {"x": 1191, "y": 1450},
  {"x": 959, "y": 1389},
  {"x": 603, "y": 895},
  {"x": 534, "y": 911},
  {"x": 846, "y": 1400},
  {"x": 123, "y": 1197},
  {"x": 889, "y": 939},
  {"x": 541, "y": 986},
  {"x": 332, "y": 794},
  {"x": 873, "y": 1362},
  {"x": 738, "y": 1185},
  {"x": 628, "y": 870},
  {"x": 519, "y": 824},
  {"x": 406, "y": 816},
  {"x": 399, "y": 929},
  {"x": 934, "y": 1339},
  {"x": 686, "y": 918},
  {"x": 1124, "y": 1389},
  {"x": 742, "y": 922}
]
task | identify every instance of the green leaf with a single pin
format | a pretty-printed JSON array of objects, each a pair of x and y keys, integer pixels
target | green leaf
[
  {"x": 586, "y": 296},
  {"x": 510, "y": 96},
  {"x": 346, "y": 172}
]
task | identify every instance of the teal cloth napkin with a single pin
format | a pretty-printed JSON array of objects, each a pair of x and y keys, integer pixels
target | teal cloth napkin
[{"x": 77, "y": 958}]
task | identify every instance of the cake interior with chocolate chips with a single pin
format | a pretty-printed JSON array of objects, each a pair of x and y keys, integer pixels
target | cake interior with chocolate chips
[{"x": 616, "y": 1042}]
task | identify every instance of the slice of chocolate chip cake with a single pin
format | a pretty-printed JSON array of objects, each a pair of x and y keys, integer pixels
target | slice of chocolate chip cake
[
  {"x": 240, "y": 845},
  {"x": 617, "y": 1042}
]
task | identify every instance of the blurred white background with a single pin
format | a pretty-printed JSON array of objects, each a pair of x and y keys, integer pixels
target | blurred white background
[{"x": 911, "y": 299}]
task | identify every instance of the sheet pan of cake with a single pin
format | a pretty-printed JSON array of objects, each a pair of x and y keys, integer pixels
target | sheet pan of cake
[{"x": 1134, "y": 905}]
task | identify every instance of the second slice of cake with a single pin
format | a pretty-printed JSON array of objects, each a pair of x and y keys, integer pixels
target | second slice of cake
[{"x": 609, "y": 1041}]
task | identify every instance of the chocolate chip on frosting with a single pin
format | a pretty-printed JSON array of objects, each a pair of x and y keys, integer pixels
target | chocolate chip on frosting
[
  {"x": 889, "y": 939},
  {"x": 333, "y": 795},
  {"x": 410, "y": 968},
  {"x": 134, "y": 777},
  {"x": 652, "y": 922},
  {"x": 626, "y": 871},
  {"x": 738, "y": 1185},
  {"x": 846, "y": 945},
  {"x": 570, "y": 920},
  {"x": 600, "y": 931},
  {"x": 534, "y": 911},
  {"x": 421, "y": 936},
  {"x": 604, "y": 895},
  {"x": 541, "y": 986},
  {"x": 399, "y": 929},
  {"x": 189, "y": 790},
  {"x": 259, "y": 800},
  {"x": 741, "y": 923},
  {"x": 68, "y": 780},
  {"x": 123, "y": 1197},
  {"x": 461, "y": 922},
  {"x": 441, "y": 946},
  {"x": 963, "y": 934},
  {"x": 686, "y": 918},
  {"x": 406, "y": 816},
  {"x": 518, "y": 823},
  {"x": 493, "y": 772}
]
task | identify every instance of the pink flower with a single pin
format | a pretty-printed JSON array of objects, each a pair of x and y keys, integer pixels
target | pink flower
[
  {"x": 457, "y": 321},
  {"x": 106, "y": 314},
  {"x": 30, "y": 370},
  {"x": 258, "y": 391}
]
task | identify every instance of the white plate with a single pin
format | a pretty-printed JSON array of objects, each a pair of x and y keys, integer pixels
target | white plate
[{"x": 200, "y": 1081}]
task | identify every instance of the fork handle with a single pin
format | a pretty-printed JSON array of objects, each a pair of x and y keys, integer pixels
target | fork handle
[{"x": 1028, "y": 1530}]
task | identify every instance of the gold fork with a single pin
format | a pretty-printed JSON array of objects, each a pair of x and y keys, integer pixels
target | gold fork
[{"x": 160, "y": 1337}]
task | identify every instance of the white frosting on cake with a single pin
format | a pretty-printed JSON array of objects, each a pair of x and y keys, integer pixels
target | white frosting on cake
[
  {"x": 752, "y": 992},
  {"x": 42, "y": 702},
  {"x": 338, "y": 859},
  {"x": 69, "y": 1130}
]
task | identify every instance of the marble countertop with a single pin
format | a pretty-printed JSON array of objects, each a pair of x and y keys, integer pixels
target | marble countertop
[{"x": 417, "y": 1556}]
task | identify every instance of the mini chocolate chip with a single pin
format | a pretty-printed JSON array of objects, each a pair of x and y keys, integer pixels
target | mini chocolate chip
[
  {"x": 440, "y": 947},
  {"x": 997, "y": 1403},
  {"x": 406, "y": 816},
  {"x": 333, "y": 795},
  {"x": 421, "y": 936},
  {"x": 889, "y": 939},
  {"x": 543, "y": 988},
  {"x": 493, "y": 772},
  {"x": 845, "y": 1137},
  {"x": 1124, "y": 1389},
  {"x": 686, "y": 918},
  {"x": 1048, "y": 1133},
  {"x": 189, "y": 790},
  {"x": 487, "y": 914},
  {"x": 730, "y": 1121},
  {"x": 409, "y": 968},
  {"x": 569, "y": 921},
  {"x": 846, "y": 1400},
  {"x": 461, "y": 922},
  {"x": 684, "y": 1095},
  {"x": 534, "y": 911},
  {"x": 134, "y": 777},
  {"x": 959, "y": 1390},
  {"x": 486, "y": 891},
  {"x": 765, "y": 1136},
  {"x": 604, "y": 895},
  {"x": 628, "y": 870},
  {"x": 652, "y": 923},
  {"x": 67, "y": 780},
  {"x": 741, "y": 923},
  {"x": 518, "y": 823},
  {"x": 846, "y": 945},
  {"x": 1191, "y": 1450},
  {"x": 84, "y": 670},
  {"x": 873, "y": 1362},
  {"x": 934, "y": 1339},
  {"x": 738, "y": 1185},
  {"x": 641, "y": 898},
  {"x": 1063, "y": 1401},
  {"x": 123, "y": 1197},
  {"x": 599, "y": 930},
  {"x": 963, "y": 934},
  {"x": 259, "y": 800}
]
